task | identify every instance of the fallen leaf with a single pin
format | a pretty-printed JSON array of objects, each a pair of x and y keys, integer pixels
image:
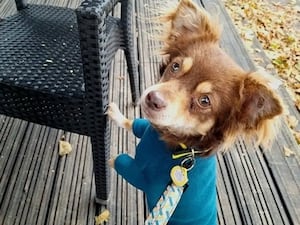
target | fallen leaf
[
  {"x": 288, "y": 152},
  {"x": 297, "y": 136},
  {"x": 257, "y": 59},
  {"x": 289, "y": 39},
  {"x": 270, "y": 66},
  {"x": 102, "y": 217},
  {"x": 297, "y": 104},
  {"x": 291, "y": 121},
  {"x": 275, "y": 45},
  {"x": 248, "y": 35},
  {"x": 257, "y": 50},
  {"x": 64, "y": 147}
]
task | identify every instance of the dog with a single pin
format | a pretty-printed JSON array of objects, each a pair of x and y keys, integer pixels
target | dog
[{"x": 202, "y": 104}]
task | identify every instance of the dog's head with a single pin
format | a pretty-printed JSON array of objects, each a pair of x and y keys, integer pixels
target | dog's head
[{"x": 204, "y": 99}]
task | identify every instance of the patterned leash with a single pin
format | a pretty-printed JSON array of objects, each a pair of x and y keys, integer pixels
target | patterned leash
[{"x": 167, "y": 203}]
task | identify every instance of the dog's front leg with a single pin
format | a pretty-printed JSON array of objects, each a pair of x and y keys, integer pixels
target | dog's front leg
[
  {"x": 124, "y": 164},
  {"x": 115, "y": 114}
]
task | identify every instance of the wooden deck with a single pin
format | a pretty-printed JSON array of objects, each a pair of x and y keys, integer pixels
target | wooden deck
[{"x": 37, "y": 186}]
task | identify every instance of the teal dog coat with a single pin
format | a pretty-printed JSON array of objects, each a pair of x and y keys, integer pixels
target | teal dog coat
[{"x": 149, "y": 171}]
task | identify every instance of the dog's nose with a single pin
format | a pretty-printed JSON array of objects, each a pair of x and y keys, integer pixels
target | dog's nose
[{"x": 155, "y": 101}]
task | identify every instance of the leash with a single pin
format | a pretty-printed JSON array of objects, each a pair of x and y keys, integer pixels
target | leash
[
  {"x": 165, "y": 207},
  {"x": 170, "y": 198}
]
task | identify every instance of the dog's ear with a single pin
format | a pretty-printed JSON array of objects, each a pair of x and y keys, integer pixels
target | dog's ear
[
  {"x": 189, "y": 22},
  {"x": 259, "y": 106}
]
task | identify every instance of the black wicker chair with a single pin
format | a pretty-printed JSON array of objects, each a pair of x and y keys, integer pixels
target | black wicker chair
[{"x": 54, "y": 70}]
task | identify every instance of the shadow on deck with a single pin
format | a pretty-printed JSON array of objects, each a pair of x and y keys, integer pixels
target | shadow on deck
[{"x": 37, "y": 186}]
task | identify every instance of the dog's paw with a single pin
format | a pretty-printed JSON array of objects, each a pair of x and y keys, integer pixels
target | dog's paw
[
  {"x": 115, "y": 114},
  {"x": 113, "y": 110}
]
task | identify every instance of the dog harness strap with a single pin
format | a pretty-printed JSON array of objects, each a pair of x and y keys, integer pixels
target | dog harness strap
[{"x": 166, "y": 205}]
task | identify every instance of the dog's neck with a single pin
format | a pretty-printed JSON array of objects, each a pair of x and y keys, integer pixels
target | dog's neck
[
  {"x": 202, "y": 145},
  {"x": 188, "y": 151}
]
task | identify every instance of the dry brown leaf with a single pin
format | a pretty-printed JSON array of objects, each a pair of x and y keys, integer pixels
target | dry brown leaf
[
  {"x": 257, "y": 59},
  {"x": 270, "y": 66},
  {"x": 297, "y": 136},
  {"x": 121, "y": 77},
  {"x": 288, "y": 152},
  {"x": 257, "y": 50},
  {"x": 64, "y": 147},
  {"x": 297, "y": 104},
  {"x": 291, "y": 121},
  {"x": 102, "y": 217}
]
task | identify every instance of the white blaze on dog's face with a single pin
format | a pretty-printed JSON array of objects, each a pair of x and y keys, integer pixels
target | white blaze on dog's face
[
  {"x": 170, "y": 104},
  {"x": 204, "y": 98}
]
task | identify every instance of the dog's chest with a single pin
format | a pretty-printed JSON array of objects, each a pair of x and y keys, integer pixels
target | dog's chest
[
  {"x": 154, "y": 157},
  {"x": 155, "y": 160}
]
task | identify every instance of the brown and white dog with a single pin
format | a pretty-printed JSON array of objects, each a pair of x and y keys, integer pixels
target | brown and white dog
[{"x": 204, "y": 99}]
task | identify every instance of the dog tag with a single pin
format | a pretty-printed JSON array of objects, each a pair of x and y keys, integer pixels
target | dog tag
[{"x": 179, "y": 175}]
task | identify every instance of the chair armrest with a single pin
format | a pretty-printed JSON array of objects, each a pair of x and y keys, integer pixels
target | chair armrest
[
  {"x": 92, "y": 25},
  {"x": 98, "y": 8}
]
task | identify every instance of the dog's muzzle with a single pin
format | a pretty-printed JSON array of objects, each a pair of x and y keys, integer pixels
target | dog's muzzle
[{"x": 155, "y": 101}]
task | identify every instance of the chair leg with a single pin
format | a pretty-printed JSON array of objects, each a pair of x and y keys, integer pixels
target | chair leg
[
  {"x": 101, "y": 152},
  {"x": 133, "y": 75},
  {"x": 127, "y": 23},
  {"x": 21, "y": 4}
]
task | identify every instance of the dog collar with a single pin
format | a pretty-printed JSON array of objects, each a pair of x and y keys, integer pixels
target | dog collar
[{"x": 185, "y": 151}]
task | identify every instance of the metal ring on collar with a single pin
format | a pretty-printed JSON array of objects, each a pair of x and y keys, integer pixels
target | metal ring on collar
[{"x": 188, "y": 163}]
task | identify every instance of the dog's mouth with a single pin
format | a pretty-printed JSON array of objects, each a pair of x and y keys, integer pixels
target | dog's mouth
[{"x": 146, "y": 111}]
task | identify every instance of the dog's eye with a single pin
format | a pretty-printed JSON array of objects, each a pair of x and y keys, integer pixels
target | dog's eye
[
  {"x": 204, "y": 101},
  {"x": 175, "y": 67}
]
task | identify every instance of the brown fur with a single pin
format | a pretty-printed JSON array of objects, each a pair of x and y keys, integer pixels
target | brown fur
[{"x": 204, "y": 99}]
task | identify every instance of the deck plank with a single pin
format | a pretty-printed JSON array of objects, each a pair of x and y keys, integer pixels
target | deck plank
[
  {"x": 41, "y": 183},
  {"x": 228, "y": 207}
]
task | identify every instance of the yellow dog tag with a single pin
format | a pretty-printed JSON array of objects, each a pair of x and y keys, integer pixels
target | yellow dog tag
[{"x": 179, "y": 175}]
